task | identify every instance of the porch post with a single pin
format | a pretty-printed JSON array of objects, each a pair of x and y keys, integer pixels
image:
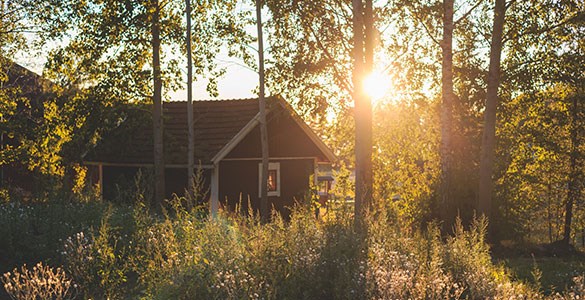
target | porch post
[
  {"x": 214, "y": 191},
  {"x": 316, "y": 172}
]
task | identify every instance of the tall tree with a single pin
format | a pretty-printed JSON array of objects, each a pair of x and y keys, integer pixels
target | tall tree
[
  {"x": 536, "y": 143},
  {"x": 30, "y": 121},
  {"x": 157, "y": 120},
  {"x": 361, "y": 114},
  {"x": 447, "y": 96},
  {"x": 263, "y": 127},
  {"x": 314, "y": 49},
  {"x": 451, "y": 32},
  {"x": 365, "y": 127},
  {"x": 575, "y": 176},
  {"x": 489, "y": 129},
  {"x": 544, "y": 47},
  {"x": 190, "y": 121}
]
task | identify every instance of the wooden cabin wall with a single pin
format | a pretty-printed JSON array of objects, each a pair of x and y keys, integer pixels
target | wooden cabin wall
[{"x": 239, "y": 180}]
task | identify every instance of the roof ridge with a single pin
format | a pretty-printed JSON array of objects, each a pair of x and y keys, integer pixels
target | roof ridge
[
  {"x": 220, "y": 100},
  {"x": 212, "y": 100}
]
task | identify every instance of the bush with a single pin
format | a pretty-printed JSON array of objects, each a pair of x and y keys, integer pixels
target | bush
[
  {"x": 236, "y": 258},
  {"x": 43, "y": 282},
  {"x": 35, "y": 232},
  {"x": 96, "y": 262}
]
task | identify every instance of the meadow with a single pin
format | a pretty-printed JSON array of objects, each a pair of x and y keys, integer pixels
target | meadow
[{"x": 100, "y": 250}]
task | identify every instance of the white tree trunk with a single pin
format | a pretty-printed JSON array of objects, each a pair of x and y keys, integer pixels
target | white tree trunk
[
  {"x": 264, "y": 213},
  {"x": 159, "y": 165}
]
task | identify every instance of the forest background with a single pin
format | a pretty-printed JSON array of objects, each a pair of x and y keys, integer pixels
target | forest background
[{"x": 445, "y": 91}]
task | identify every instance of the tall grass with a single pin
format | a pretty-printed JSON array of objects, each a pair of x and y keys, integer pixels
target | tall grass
[{"x": 182, "y": 254}]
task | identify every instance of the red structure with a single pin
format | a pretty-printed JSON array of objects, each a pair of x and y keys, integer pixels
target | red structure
[{"x": 227, "y": 145}]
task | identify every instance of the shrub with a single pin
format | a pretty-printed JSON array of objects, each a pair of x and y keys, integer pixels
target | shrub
[
  {"x": 153, "y": 253},
  {"x": 96, "y": 262},
  {"x": 35, "y": 232},
  {"x": 469, "y": 260},
  {"x": 43, "y": 282}
]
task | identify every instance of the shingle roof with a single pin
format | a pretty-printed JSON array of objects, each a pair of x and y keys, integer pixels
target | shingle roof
[
  {"x": 219, "y": 126},
  {"x": 216, "y": 123}
]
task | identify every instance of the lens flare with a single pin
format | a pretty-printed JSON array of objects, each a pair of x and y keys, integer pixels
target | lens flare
[{"x": 377, "y": 85}]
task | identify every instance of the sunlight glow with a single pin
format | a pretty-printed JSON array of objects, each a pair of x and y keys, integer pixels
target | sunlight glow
[{"x": 377, "y": 85}]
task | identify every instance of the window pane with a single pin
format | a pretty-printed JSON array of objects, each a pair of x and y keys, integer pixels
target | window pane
[{"x": 272, "y": 180}]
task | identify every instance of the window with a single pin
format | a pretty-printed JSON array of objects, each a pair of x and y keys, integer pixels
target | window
[{"x": 273, "y": 178}]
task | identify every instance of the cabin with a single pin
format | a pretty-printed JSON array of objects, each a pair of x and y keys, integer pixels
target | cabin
[{"x": 227, "y": 151}]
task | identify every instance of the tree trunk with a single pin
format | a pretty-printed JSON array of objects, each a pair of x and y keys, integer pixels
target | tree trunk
[
  {"x": 448, "y": 96},
  {"x": 360, "y": 113},
  {"x": 1, "y": 86},
  {"x": 366, "y": 111},
  {"x": 573, "y": 191},
  {"x": 159, "y": 164},
  {"x": 190, "y": 123},
  {"x": 264, "y": 213},
  {"x": 489, "y": 128},
  {"x": 549, "y": 212}
]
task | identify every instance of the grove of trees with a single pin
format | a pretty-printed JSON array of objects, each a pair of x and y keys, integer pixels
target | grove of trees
[{"x": 484, "y": 112}]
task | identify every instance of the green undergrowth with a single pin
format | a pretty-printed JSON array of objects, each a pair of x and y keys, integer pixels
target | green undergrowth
[
  {"x": 180, "y": 253},
  {"x": 555, "y": 273}
]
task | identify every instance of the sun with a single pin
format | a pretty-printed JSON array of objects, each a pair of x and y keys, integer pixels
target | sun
[{"x": 377, "y": 85}]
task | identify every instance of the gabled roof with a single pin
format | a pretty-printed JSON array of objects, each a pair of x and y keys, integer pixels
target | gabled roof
[{"x": 219, "y": 126}]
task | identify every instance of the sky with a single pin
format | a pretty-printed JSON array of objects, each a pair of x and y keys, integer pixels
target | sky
[{"x": 238, "y": 82}]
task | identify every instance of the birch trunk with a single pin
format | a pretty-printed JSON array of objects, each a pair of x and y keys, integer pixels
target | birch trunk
[
  {"x": 486, "y": 184},
  {"x": 573, "y": 190},
  {"x": 264, "y": 213},
  {"x": 190, "y": 123},
  {"x": 159, "y": 167}
]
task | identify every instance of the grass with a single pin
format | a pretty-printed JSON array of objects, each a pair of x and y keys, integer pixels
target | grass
[
  {"x": 131, "y": 252},
  {"x": 556, "y": 272}
]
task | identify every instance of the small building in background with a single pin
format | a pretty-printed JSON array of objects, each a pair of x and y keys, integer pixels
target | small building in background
[{"x": 227, "y": 147}]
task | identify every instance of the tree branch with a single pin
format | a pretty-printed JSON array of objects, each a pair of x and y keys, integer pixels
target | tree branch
[
  {"x": 465, "y": 15},
  {"x": 342, "y": 80},
  {"x": 569, "y": 20},
  {"x": 427, "y": 30}
]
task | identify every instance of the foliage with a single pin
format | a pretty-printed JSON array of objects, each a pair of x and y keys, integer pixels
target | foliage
[
  {"x": 33, "y": 128},
  {"x": 96, "y": 263},
  {"x": 30, "y": 122},
  {"x": 556, "y": 273},
  {"x": 104, "y": 63},
  {"x": 43, "y": 282},
  {"x": 309, "y": 55},
  {"x": 100, "y": 60},
  {"x": 182, "y": 255},
  {"x": 236, "y": 257},
  {"x": 110, "y": 48},
  {"x": 406, "y": 161},
  {"x": 535, "y": 166},
  {"x": 36, "y": 231}
]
